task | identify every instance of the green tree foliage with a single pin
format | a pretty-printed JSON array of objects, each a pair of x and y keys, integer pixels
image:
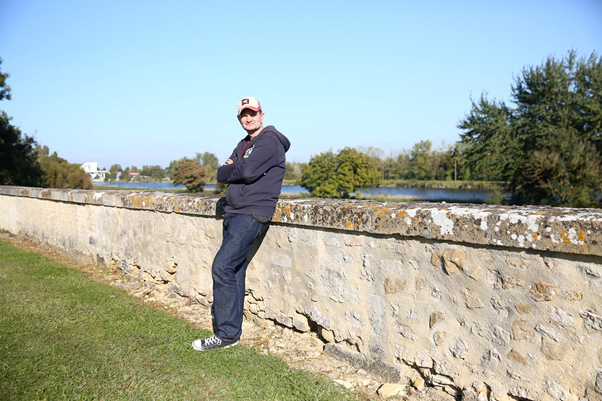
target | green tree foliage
[
  {"x": 192, "y": 174},
  {"x": 18, "y": 159},
  {"x": 113, "y": 170},
  {"x": 4, "y": 88},
  {"x": 207, "y": 159},
  {"x": 292, "y": 172},
  {"x": 337, "y": 176},
  {"x": 171, "y": 169},
  {"x": 156, "y": 173},
  {"x": 548, "y": 148},
  {"x": 59, "y": 173},
  {"x": 489, "y": 149},
  {"x": 421, "y": 161},
  {"x": 125, "y": 174},
  {"x": 210, "y": 162}
]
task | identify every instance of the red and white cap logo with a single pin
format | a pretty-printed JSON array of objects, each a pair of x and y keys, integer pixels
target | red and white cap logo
[{"x": 249, "y": 103}]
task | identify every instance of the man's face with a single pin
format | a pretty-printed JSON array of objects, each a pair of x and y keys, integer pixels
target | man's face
[{"x": 251, "y": 120}]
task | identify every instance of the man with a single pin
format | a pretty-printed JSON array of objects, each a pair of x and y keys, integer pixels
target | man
[{"x": 254, "y": 174}]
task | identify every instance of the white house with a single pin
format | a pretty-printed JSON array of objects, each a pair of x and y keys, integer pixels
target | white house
[{"x": 91, "y": 168}]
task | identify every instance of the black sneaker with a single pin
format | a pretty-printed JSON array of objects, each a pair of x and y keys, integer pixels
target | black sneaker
[{"x": 213, "y": 342}]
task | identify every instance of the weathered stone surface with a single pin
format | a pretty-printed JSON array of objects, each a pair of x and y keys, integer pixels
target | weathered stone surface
[
  {"x": 368, "y": 276},
  {"x": 439, "y": 337},
  {"x": 471, "y": 300},
  {"x": 343, "y": 383},
  {"x": 419, "y": 384},
  {"x": 300, "y": 323},
  {"x": 517, "y": 356},
  {"x": 459, "y": 349},
  {"x": 556, "y": 390},
  {"x": 553, "y": 351},
  {"x": 508, "y": 282},
  {"x": 393, "y": 285},
  {"x": 388, "y": 390},
  {"x": 327, "y": 335},
  {"x": 522, "y": 330},
  {"x": 435, "y": 317},
  {"x": 554, "y": 229},
  {"x": 543, "y": 292},
  {"x": 523, "y": 309},
  {"x": 592, "y": 321},
  {"x": 473, "y": 271},
  {"x": 453, "y": 260},
  {"x": 573, "y": 295},
  {"x": 436, "y": 259}
]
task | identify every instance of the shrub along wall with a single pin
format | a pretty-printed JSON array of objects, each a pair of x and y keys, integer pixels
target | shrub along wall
[{"x": 482, "y": 301}]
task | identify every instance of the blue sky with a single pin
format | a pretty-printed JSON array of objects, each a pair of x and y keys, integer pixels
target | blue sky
[{"x": 147, "y": 82}]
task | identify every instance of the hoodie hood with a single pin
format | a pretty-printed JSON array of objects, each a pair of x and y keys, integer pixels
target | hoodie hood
[{"x": 283, "y": 139}]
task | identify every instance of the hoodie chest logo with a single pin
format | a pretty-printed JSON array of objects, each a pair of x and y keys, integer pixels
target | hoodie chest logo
[{"x": 248, "y": 152}]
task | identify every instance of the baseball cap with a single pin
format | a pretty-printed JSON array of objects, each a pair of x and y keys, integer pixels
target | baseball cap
[{"x": 248, "y": 103}]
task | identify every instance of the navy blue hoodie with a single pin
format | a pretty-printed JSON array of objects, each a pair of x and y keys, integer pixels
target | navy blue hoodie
[{"x": 255, "y": 176}]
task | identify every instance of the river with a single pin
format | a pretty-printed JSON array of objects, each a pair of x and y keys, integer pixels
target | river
[{"x": 421, "y": 194}]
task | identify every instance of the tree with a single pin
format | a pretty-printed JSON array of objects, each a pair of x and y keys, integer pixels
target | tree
[
  {"x": 4, "y": 88},
  {"x": 171, "y": 169},
  {"x": 292, "y": 172},
  {"x": 156, "y": 173},
  {"x": 210, "y": 162},
  {"x": 547, "y": 149},
  {"x": 18, "y": 159},
  {"x": 58, "y": 173},
  {"x": 125, "y": 174},
  {"x": 421, "y": 161},
  {"x": 113, "y": 170},
  {"x": 192, "y": 174},
  {"x": 330, "y": 176}
]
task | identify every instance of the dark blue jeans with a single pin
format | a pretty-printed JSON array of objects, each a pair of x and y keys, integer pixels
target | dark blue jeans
[{"x": 229, "y": 271}]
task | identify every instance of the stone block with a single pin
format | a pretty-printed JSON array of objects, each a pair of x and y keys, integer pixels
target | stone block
[
  {"x": 471, "y": 300},
  {"x": 523, "y": 309},
  {"x": 439, "y": 337},
  {"x": 522, "y": 330},
  {"x": 517, "y": 356},
  {"x": 393, "y": 285},
  {"x": 389, "y": 390},
  {"x": 435, "y": 318},
  {"x": 553, "y": 351},
  {"x": 543, "y": 292},
  {"x": 453, "y": 260}
]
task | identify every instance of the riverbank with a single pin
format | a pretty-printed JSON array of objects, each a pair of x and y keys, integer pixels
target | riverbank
[
  {"x": 436, "y": 184},
  {"x": 390, "y": 192},
  {"x": 423, "y": 184}
]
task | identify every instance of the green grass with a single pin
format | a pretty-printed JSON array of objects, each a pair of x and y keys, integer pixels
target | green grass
[{"x": 64, "y": 336}]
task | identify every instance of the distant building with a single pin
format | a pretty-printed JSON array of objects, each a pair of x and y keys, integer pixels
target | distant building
[{"x": 91, "y": 168}]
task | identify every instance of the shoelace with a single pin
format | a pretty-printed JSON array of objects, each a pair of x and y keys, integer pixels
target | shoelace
[{"x": 212, "y": 341}]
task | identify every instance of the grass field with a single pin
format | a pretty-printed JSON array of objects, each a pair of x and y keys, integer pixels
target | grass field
[{"x": 64, "y": 336}]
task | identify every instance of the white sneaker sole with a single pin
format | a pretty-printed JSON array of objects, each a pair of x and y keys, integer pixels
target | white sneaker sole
[{"x": 200, "y": 348}]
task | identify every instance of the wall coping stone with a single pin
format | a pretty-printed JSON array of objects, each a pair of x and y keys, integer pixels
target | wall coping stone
[{"x": 564, "y": 230}]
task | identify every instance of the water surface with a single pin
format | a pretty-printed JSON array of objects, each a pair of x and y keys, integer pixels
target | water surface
[{"x": 422, "y": 194}]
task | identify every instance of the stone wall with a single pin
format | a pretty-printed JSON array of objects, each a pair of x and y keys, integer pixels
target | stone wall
[{"x": 484, "y": 302}]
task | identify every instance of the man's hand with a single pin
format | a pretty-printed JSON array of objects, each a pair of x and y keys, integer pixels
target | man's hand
[{"x": 229, "y": 161}]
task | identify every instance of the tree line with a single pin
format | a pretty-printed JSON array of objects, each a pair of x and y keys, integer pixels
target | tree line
[{"x": 545, "y": 147}]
